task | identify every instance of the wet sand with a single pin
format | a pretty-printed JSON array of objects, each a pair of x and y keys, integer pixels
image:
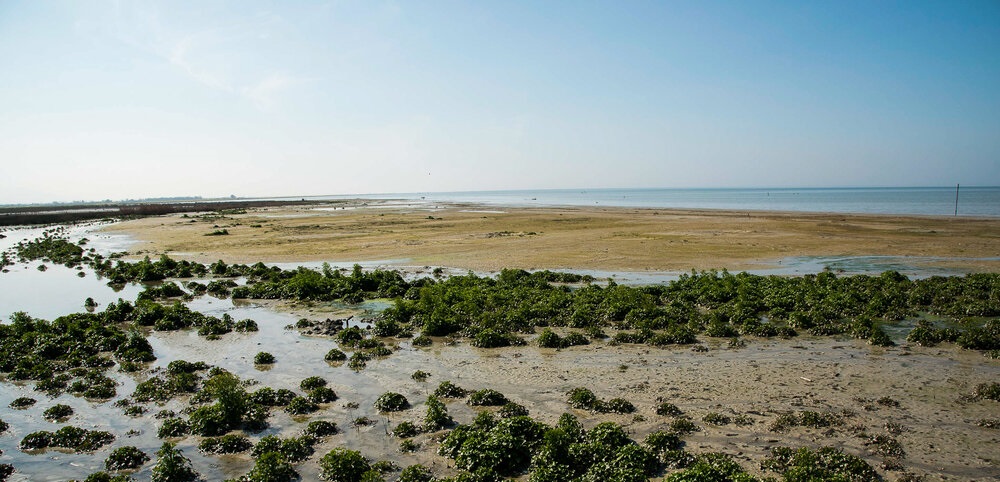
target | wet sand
[{"x": 610, "y": 239}]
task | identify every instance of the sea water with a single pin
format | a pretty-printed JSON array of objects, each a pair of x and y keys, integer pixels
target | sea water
[{"x": 931, "y": 201}]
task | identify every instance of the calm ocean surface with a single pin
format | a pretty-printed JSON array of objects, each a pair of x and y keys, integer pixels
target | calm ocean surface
[{"x": 936, "y": 201}]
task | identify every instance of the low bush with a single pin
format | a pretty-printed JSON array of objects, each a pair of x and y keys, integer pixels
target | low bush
[
  {"x": 343, "y": 465},
  {"x": 172, "y": 466},
  {"x": 827, "y": 463},
  {"x": 226, "y": 444},
  {"x": 312, "y": 383},
  {"x": 487, "y": 397},
  {"x": 391, "y": 402},
  {"x": 263, "y": 358},
  {"x": 125, "y": 458},
  {"x": 58, "y": 413},
  {"x": 449, "y": 390}
]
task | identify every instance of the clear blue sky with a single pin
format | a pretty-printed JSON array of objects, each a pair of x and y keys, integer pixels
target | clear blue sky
[{"x": 141, "y": 99}]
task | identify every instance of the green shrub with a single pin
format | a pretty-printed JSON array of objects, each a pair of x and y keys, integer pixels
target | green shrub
[
  {"x": 293, "y": 449},
  {"x": 263, "y": 358},
  {"x": 714, "y": 418},
  {"x": 711, "y": 467},
  {"x": 226, "y": 444},
  {"x": 487, "y": 397},
  {"x": 320, "y": 429},
  {"x": 422, "y": 340},
  {"x": 172, "y": 466},
  {"x": 125, "y": 458},
  {"x": 420, "y": 376},
  {"x": 312, "y": 383},
  {"x": 660, "y": 442},
  {"x": 827, "y": 463},
  {"x": 437, "y": 416},
  {"x": 271, "y": 467},
  {"x": 391, "y": 402},
  {"x": 335, "y": 355},
  {"x": 449, "y": 390},
  {"x": 405, "y": 430},
  {"x": 22, "y": 403},
  {"x": 666, "y": 408},
  {"x": 416, "y": 473},
  {"x": 58, "y": 412},
  {"x": 583, "y": 399},
  {"x": 511, "y": 409},
  {"x": 343, "y": 465},
  {"x": 301, "y": 406},
  {"x": 616, "y": 405},
  {"x": 173, "y": 427},
  {"x": 322, "y": 395},
  {"x": 683, "y": 426}
]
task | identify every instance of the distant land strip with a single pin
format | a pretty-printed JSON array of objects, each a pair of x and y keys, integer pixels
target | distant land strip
[{"x": 65, "y": 213}]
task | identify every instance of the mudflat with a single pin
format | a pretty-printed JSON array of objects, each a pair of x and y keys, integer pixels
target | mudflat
[{"x": 612, "y": 239}]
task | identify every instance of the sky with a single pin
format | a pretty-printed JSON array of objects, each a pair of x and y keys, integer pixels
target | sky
[{"x": 138, "y": 99}]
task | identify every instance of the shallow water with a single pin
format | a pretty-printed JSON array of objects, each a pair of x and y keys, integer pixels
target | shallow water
[{"x": 536, "y": 378}]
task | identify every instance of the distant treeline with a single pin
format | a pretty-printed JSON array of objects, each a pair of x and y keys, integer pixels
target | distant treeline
[{"x": 64, "y": 213}]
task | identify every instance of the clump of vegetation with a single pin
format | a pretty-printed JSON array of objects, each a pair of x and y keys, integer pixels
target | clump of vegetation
[
  {"x": 344, "y": 465},
  {"x": 125, "y": 458},
  {"x": 58, "y": 413},
  {"x": 487, "y": 398},
  {"x": 683, "y": 426},
  {"x": 420, "y": 376},
  {"x": 69, "y": 437},
  {"x": 322, "y": 395},
  {"x": 269, "y": 397},
  {"x": 405, "y": 429},
  {"x": 263, "y": 358},
  {"x": 21, "y": 403},
  {"x": 447, "y": 389},
  {"x": 226, "y": 444},
  {"x": 335, "y": 355},
  {"x": 172, "y": 466},
  {"x": 712, "y": 466},
  {"x": 312, "y": 383},
  {"x": 437, "y": 416},
  {"x": 715, "y": 418},
  {"x": 549, "y": 339},
  {"x": 806, "y": 418},
  {"x": 301, "y": 406},
  {"x": 988, "y": 422},
  {"x": 667, "y": 408},
  {"x": 293, "y": 449},
  {"x": 391, "y": 402},
  {"x": 827, "y": 463},
  {"x": 416, "y": 473},
  {"x": 584, "y": 399},
  {"x": 886, "y": 446},
  {"x": 986, "y": 391},
  {"x": 173, "y": 427},
  {"x": 3, "y": 427},
  {"x": 320, "y": 428},
  {"x": 512, "y": 409},
  {"x": 271, "y": 467}
]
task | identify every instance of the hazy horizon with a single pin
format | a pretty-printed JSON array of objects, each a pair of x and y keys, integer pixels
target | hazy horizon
[
  {"x": 119, "y": 100},
  {"x": 183, "y": 197}
]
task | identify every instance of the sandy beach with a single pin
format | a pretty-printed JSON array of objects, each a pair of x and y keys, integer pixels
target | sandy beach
[{"x": 611, "y": 239}]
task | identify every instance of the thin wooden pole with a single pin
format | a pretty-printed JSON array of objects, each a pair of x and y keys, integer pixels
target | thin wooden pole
[{"x": 956, "y": 198}]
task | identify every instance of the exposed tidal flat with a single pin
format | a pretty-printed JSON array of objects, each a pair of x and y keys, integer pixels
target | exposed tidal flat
[{"x": 749, "y": 367}]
